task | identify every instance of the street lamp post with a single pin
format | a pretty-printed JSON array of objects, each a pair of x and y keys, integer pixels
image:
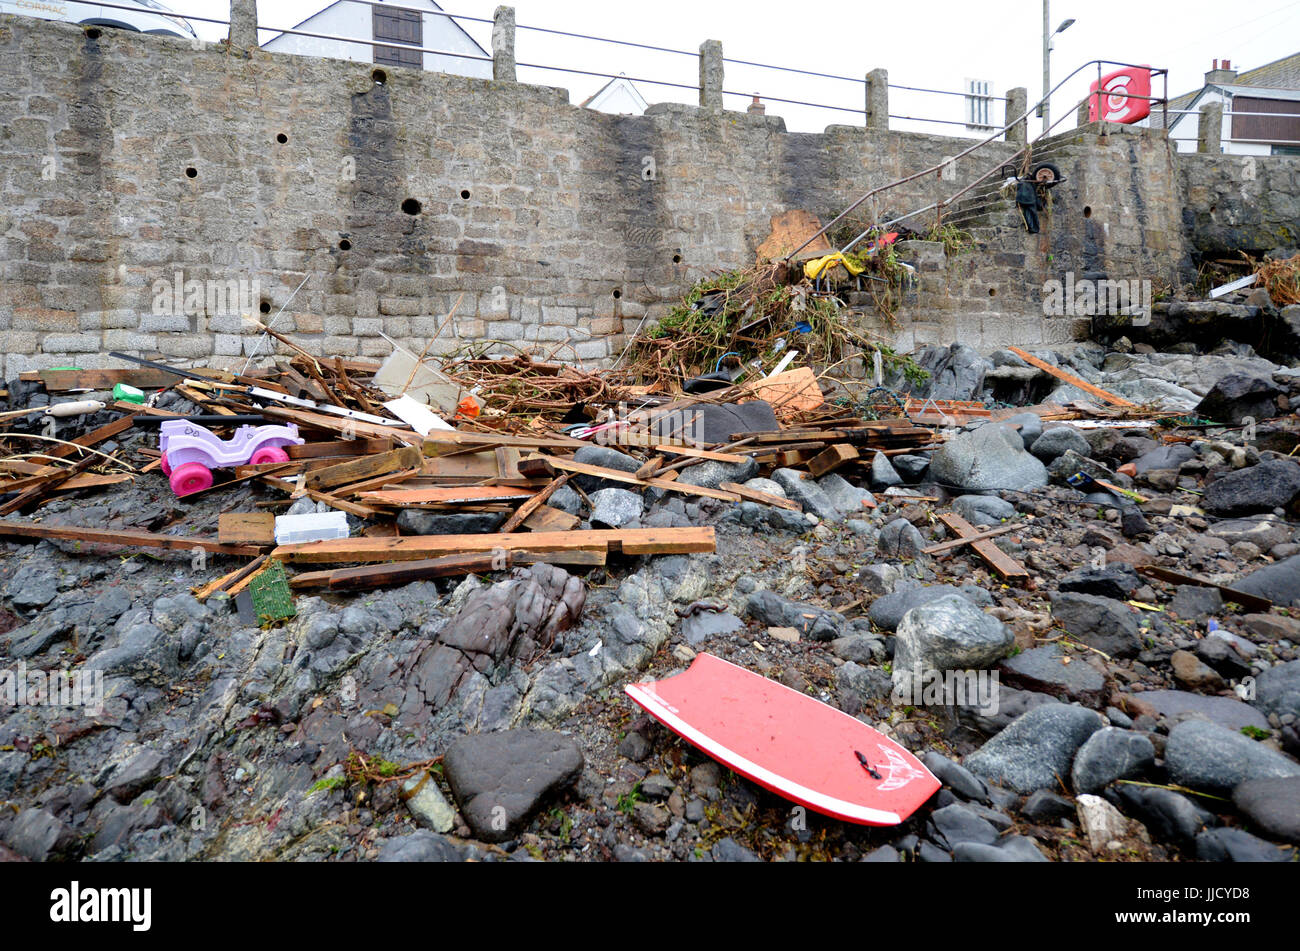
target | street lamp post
[{"x": 1044, "y": 110}]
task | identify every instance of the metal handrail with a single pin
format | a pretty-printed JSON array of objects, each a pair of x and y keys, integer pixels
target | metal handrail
[{"x": 978, "y": 145}]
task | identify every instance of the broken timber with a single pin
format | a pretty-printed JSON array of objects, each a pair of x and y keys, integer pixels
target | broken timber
[
  {"x": 1006, "y": 566},
  {"x": 123, "y": 538},
  {"x": 1251, "y": 602},
  {"x": 1070, "y": 378},
  {"x": 632, "y": 541}
]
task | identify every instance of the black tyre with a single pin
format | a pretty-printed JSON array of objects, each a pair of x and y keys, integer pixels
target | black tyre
[{"x": 1046, "y": 173}]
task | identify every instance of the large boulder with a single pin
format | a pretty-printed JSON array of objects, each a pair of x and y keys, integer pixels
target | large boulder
[
  {"x": 501, "y": 779},
  {"x": 888, "y": 611},
  {"x": 1239, "y": 395},
  {"x": 1111, "y": 754},
  {"x": 1279, "y": 582},
  {"x": 991, "y": 457},
  {"x": 947, "y": 634},
  {"x": 1057, "y": 441},
  {"x": 1277, "y": 690},
  {"x": 1104, "y": 623},
  {"x": 956, "y": 373},
  {"x": 1273, "y": 483},
  {"x": 1204, "y": 755},
  {"x": 1273, "y": 805},
  {"x": 1036, "y": 748}
]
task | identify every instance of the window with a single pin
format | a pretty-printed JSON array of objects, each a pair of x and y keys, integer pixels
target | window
[
  {"x": 1281, "y": 124},
  {"x": 979, "y": 104},
  {"x": 394, "y": 25}
]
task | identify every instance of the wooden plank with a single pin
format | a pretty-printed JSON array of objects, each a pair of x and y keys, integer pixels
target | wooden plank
[
  {"x": 1070, "y": 378},
  {"x": 792, "y": 390},
  {"x": 1251, "y": 602},
  {"x": 246, "y": 528},
  {"x": 365, "y": 467},
  {"x": 339, "y": 447},
  {"x": 441, "y": 441},
  {"x": 47, "y": 484},
  {"x": 765, "y": 498},
  {"x": 400, "y": 573},
  {"x": 652, "y": 465},
  {"x": 469, "y": 494},
  {"x": 123, "y": 538},
  {"x": 832, "y": 458},
  {"x": 614, "y": 475},
  {"x": 534, "y": 503},
  {"x": 702, "y": 454},
  {"x": 378, "y": 482},
  {"x": 341, "y": 424},
  {"x": 966, "y": 540},
  {"x": 1006, "y": 566},
  {"x": 227, "y": 580},
  {"x": 635, "y": 541},
  {"x": 59, "y": 381},
  {"x": 546, "y": 519}
]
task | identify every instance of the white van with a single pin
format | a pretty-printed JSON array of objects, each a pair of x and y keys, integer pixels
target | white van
[{"x": 142, "y": 16}]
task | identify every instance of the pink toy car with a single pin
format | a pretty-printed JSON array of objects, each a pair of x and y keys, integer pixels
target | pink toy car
[{"x": 190, "y": 452}]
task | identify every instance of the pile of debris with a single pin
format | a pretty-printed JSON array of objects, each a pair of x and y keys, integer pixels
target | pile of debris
[{"x": 528, "y": 535}]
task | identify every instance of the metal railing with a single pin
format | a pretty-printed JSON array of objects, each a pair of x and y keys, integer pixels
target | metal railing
[{"x": 974, "y": 148}]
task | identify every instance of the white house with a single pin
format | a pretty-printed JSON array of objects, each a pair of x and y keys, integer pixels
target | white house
[
  {"x": 1261, "y": 109},
  {"x": 414, "y": 23},
  {"x": 619, "y": 96}
]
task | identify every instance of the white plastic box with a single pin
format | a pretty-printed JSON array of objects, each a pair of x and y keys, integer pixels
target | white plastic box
[{"x": 296, "y": 529}]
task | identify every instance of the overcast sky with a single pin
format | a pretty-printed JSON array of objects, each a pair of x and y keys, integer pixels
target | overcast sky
[{"x": 935, "y": 44}]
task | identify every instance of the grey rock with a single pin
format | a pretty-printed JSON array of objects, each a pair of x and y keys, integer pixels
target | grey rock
[
  {"x": 857, "y": 687},
  {"x": 1234, "y": 845},
  {"x": 1031, "y": 427},
  {"x": 1070, "y": 462},
  {"x": 886, "y": 612},
  {"x": 1106, "y": 624},
  {"x": 566, "y": 500},
  {"x": 991, "y": 457},
  {"x": 947, "y": 634},
  {"x": 1169, "y": 815},
  {"x": 845, "y": 496},
  {"x": 883, "y": 474},
  {"x": 956, "y": 823},
  {"x": 1049, "y": 670},
  {"x": 38, "y": 835},
  {"x": 1279, "y": 582},
  {"x": 1163, "y": 457},
  {"x": 900, "y": 539},
  {"x": 812, "y": 622},
  {"x": 1117, "y": 581},
  {"x": 1238, "y": 395},
  {"x": 1043, "y": 805},
  {"x": 1225, "y": 711},
  {"x": 983, "y": 509},
  {"x": 614, "y": 508},
  {"x": 420, "y": 846},
  {"x": 879, "y": 579},
  {"x": 1058, "y": 441},
  {"x": 1271, "y": 484},
  {"x": 138, "y": 774},
  {"x": 605, "y": 458},
  {"x": 1272, "y": 805},
  {"x": 1108, "y": 755},
  {"x": 911, "y": 466},
  {"x": 729, "y": 850},
  {"x": 1014, "y": 848},
  {"x": 1036, "y": 747},
  {"x": 500, "y": 779},
  {"x": 1204, "y": 755},
  {"x": 802, "y": 489},
  {"x": 1277, "y": 690},
  {"x": 956, "y": 777},
  {"x": 885, "y": 853},
  {"x": 859, "y": 648},
  {"x": 705, "y": 625},
  {"x": 1196, "y": 603},
  {"x": 710, "y": 474}
]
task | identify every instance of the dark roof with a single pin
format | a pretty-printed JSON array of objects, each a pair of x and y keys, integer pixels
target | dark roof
[{"x": 1282, "y": 73}]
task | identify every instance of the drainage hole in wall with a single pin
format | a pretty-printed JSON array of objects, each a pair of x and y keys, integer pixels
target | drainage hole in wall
[
  {"x": 993, "y": 292},
  {"x": 464, "y": 193},
  {"x": 282, "y": 138},
  {"x": 93, "y": 33},
  {"x": 345, "y": 245},
  {"x": 379, "y": 76},
  {"x": 1213, "y": 208},
  {"x": 677, "y": 259},
  {"x": 1087, "y": 211},
  {"x": 191, "y": 172},
  {"x": 264, "y": 307},
  {"x": 411, "y": 206},
  {"x": 617, "y": 293}
]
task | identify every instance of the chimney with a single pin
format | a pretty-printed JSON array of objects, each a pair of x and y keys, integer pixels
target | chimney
[
  {"x": 1221, "y": 73},
  {"x": 756, "y": 108}
]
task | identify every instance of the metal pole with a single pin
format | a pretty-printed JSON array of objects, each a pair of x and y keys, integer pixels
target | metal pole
[{"x": 1047, "y": 69}]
